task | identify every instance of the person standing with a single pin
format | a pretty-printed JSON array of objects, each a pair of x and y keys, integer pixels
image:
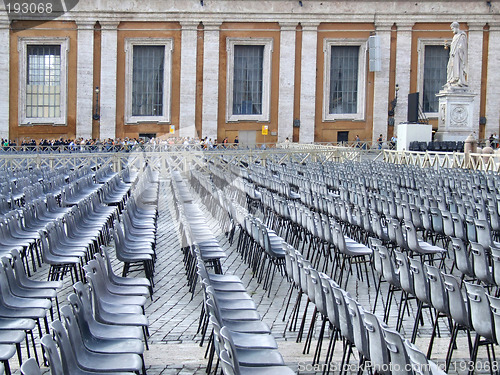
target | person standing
[{"x": 380, "y": 141}]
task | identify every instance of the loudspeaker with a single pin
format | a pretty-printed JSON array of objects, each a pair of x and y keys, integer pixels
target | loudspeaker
[{"x": 413, "y": 107}]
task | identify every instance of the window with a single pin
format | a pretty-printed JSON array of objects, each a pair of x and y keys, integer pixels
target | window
[
  {"x": 435, "y": 67},
  {"x": 432, "y": 66},
  {"x": 148, "y": 80},
  {"x": 42, "y": 80},
  {"x": 247, "y": 85},
  {"x": 248, "y": 79},
  {"x": 344, "y": 79}
]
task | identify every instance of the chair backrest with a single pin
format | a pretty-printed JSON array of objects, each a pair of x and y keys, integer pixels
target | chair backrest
[
  {"x": 343, "y": 313},
  {"x": 358, "y": 326},
  {"x": 483, "y": 233},
  {"x": 418, "y": 360},
  {"x": 458, "y": 226},
  {"x": 52, "y": 355},
  {"x": 458, "y": 306},
  {"x": 480, "y": 311},
  {"x": 448, "y": 226},
  {"x": 405, "y": 276},
  {"x": 420, "y": 280},
  {"x": 227, "y": 363},
  {"x": 68, "y": 357},
  {"x": 462, "y": 260},
  {"x": 437, "y": 290},
  {"x": 495, "y": 310},
  {"x": 495, "y": 259},
  {"x": 230, "y": 347},
  {"x": 379, "y": 355},
  {"x": 481, "y": 264},
  {"x": 388, "y": 267},
  {"x": 331, "y": 306},
  {"x": 30, "y": 367},
  {"x": 470, "y": 228},
  {"x": 397, "y": 350}
]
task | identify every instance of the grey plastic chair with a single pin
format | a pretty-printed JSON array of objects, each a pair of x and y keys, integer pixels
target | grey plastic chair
[
  {"x": 358, "y": 329},
  {"x": 419, "y": 362},
  {"x": 398, "y": 354},
  {"x": 379, "y": 355},
  {"x": 255, "y": 357},
  {"x": 107, "y": 314},
  {"x": 116, "y": 279},
  {"x": 65, "y": 363},
  {"x": 30, "y": 367},
  {"x": 462, "y": 260},
  {"x": 459, "y": 312},
  {"x": 95, "y": 362},
  {"x": 81, "y": 306},
  {"x": 481, "y": 263},
  {"x": 79, "y": 334},
  {"x": 481, "y": 317},
  {"x": 230, "y": 367}
]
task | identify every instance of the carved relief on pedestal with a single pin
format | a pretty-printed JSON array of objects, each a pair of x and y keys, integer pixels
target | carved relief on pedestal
[{"x": 458, "y": 116}]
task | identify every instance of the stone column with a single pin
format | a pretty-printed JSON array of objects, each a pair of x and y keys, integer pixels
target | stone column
[
  {"x": 403, "y": 67},
  {"x": 107, "y": 94},
  {"x": 287, "y": 80},
  {"x": 85, "y": 79},
  {"x": 381, "y": 84},
  {"x": 308, "y": 82},
  {"x": 188, "y": 79},
  {"x": 475, "y": 68},
  {"x": 210, "y": 79},
  {"x": 492, "y": 85},
  {"x": 4, "y": 78}
]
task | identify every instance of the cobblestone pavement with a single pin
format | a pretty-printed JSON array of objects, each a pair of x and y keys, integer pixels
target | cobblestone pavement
[{"x": 174, "y": 312}]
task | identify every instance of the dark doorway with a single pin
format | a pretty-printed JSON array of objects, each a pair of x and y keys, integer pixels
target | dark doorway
[
  {"x": 147, "y": 136},
  {"x": 342, "y": 137}
]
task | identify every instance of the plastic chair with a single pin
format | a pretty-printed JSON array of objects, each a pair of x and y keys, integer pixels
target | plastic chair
[
  {"x": 399, "y": 357},
  {"x": 480, "y": 264},
  {"x": 481, "y": 317},
  {"x": 95, "y": 362},
  {"x": 82, "y": 309},
  {"x": 419, "y": 362},
  {"x": 379, "y": 355},
  {"x": 459, "y": 312},
  {"x": 30, "y": 367}
]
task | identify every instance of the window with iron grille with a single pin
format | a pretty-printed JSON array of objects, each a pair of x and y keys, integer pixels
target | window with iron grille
[
  {"x": 147, "y": 80},
  {"x": 435, "y": 67},
  {"x": 248, "y": 79},
  {"x": 344, "y": 66},
  {"x": 247, "y": 82},
  {"x": 43, "y": 81}
]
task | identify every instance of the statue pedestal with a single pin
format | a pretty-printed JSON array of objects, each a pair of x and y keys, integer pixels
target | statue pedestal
[{"x": 456, "y": 120}]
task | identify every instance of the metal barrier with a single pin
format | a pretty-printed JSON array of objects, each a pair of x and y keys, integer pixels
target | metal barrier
[
  {"x": 481, "y": 162},
  {"x": 178, "y": 157}
]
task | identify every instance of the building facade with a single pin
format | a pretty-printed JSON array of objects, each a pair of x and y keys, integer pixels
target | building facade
[{"x": 310, "y": 71}]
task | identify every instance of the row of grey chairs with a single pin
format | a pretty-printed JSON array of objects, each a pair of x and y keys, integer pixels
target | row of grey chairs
[
  {"x": 443, "y": 293},
  {"x": 242, "y": 342},
  {"x": 197, "y": 238},
  {"x": 378, "y": 345}
]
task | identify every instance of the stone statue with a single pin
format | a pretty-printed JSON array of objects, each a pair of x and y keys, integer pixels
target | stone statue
[{"x": 457, "y": 63}]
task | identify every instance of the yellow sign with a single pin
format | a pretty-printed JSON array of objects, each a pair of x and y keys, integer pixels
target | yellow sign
[
  {"x": 265, "y": 129},
  {"x": 172, "y": 129}
]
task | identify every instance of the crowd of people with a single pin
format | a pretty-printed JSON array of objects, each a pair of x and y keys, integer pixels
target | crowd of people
[{"x": 78, "y": 144}]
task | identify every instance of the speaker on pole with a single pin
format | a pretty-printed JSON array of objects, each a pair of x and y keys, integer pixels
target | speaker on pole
[{"x": 413, "y": 107}]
